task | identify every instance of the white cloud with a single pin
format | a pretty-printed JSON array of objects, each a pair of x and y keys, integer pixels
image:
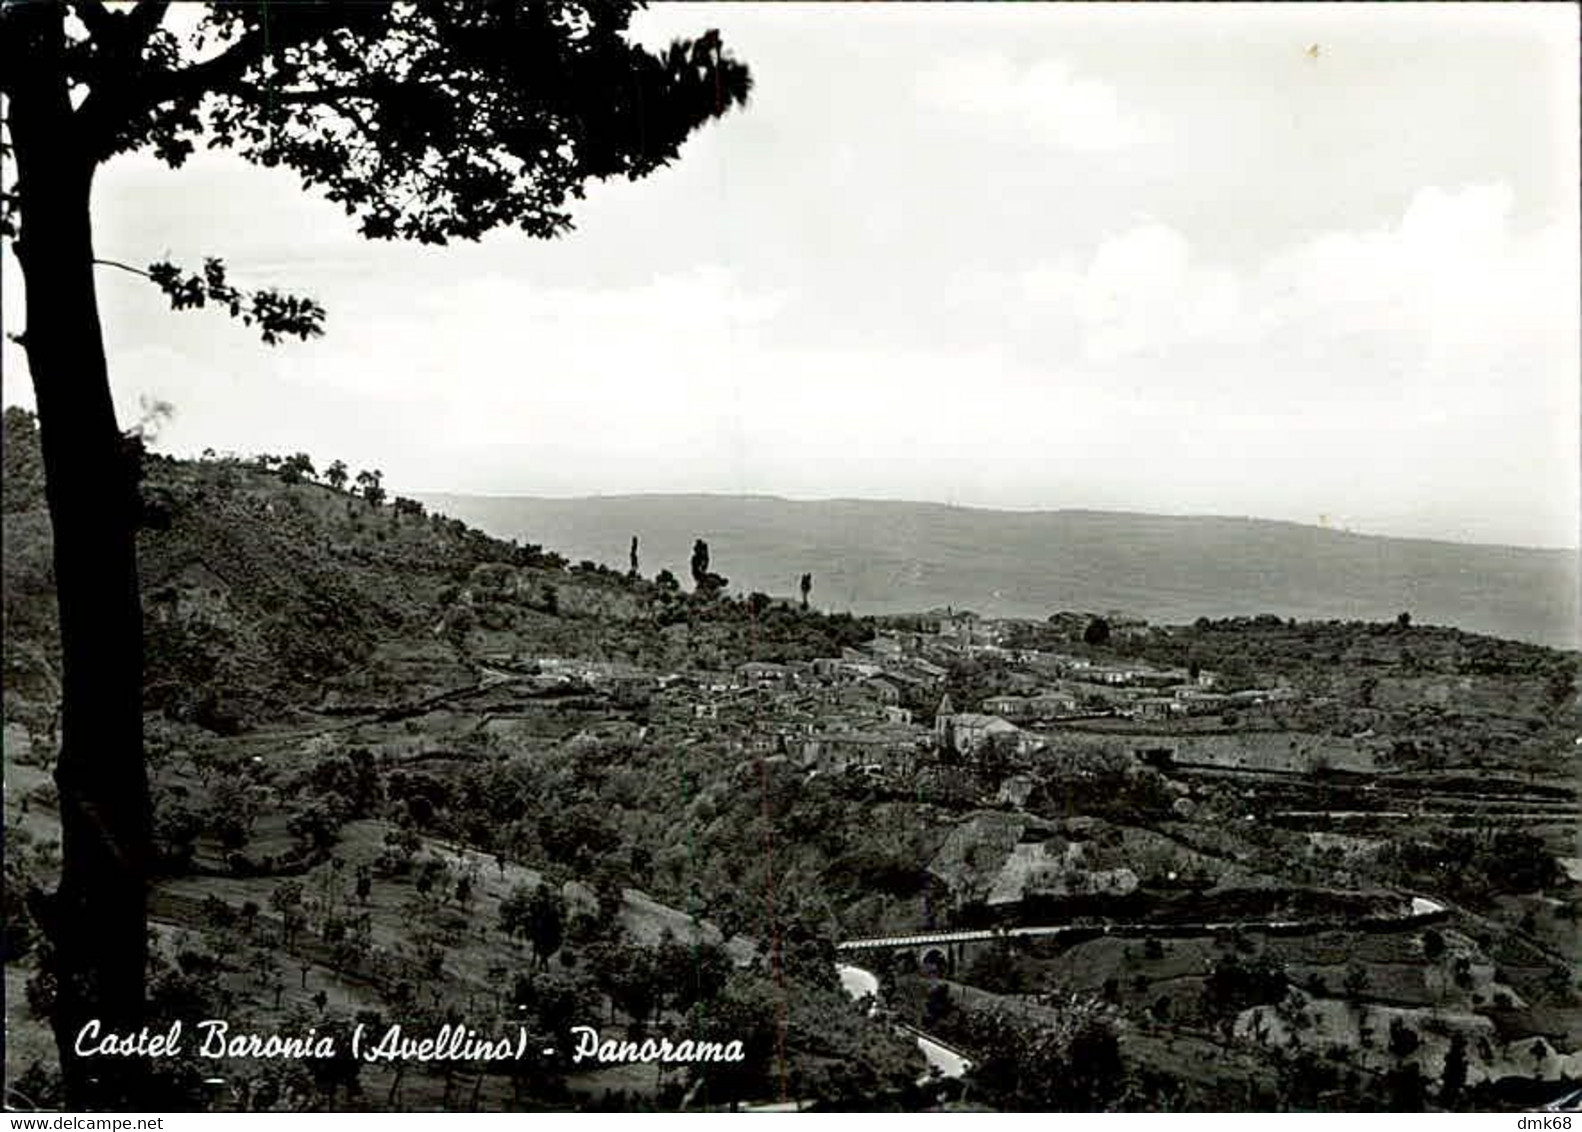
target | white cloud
[
  {"x": 1456, "y": 290},
  {"x": 1139, "y": 293},
  {"x": 1046, "y": 100},
  {"x": 1419, "y": 376},
  {"x": 1450, "y": 288},
  {"x": 944, "y": 281}
]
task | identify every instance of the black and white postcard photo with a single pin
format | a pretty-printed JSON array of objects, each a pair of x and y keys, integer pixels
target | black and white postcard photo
[{"x": 582, "y": 556}]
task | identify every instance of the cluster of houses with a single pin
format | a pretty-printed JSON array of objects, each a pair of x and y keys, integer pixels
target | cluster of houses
[
  {"x": 856, "y": 712},
  {"x": 830, "y": 715}
]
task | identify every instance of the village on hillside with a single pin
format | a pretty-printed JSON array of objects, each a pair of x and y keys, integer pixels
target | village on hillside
[
  {"x": 586, "y": 556},
  {"x": 407, "y": 771}
]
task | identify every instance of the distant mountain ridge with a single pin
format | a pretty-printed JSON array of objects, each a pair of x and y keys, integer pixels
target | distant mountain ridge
[{"x": 874, "y": 556}]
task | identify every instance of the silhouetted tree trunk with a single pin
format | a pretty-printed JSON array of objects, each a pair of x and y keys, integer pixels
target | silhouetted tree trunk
[{"x": 96, "y": 919}]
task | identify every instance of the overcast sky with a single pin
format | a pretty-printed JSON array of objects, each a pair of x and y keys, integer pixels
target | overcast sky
[{"x": 1308, "y": 263}]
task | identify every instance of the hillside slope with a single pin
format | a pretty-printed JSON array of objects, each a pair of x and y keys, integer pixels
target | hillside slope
[
  {"x": 887, "y": 557},
  {"x": 389, "y": 753},
  {"x": 262, "y": 594}
]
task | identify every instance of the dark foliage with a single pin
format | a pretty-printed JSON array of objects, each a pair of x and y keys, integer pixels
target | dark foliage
[{"x": 425, "y": 122}]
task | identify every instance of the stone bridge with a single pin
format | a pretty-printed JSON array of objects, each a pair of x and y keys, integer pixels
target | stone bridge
[{"x": 944, "y": 950}]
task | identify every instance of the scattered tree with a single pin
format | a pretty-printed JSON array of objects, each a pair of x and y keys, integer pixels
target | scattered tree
[
  {"x": 700, "y": 563},
  {"x": 372, "y": 486},
  {"x": 514, "y": 911},
  {"x": 626, "y": 975},
  {"x": 296, "y": 468},
  {"x": 690, "y": 973},
  {"x": 536, "y": 913},
  {"x": 314, "y": 826},
  {"x": 546, "y": 915},
  {"x": 286, "y": 900},
  {"x": 705, "y": 582}
]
